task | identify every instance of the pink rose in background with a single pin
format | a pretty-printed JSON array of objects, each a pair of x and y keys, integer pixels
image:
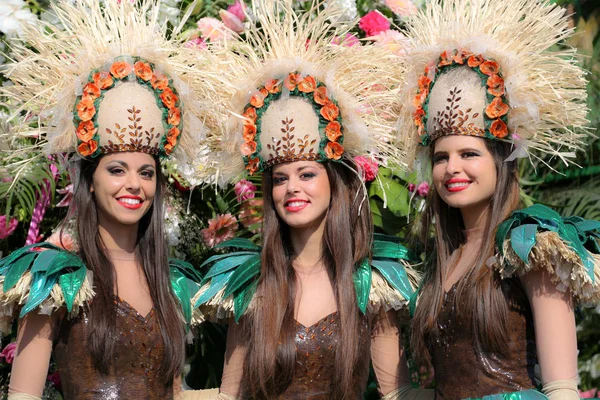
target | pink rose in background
[
  {"x": 402, "y": 8},
  {"x": 367, "y": 167},
  {"x": 220, "y": 229},
  {"x": 348, "y": 40},
  {"x": 197, "y": 43},
  {"x": 589, "y": 394},
  {"x": 8, "y": 353},
  {"x": 7, "y": 229},
  {"x": 423, "y": 189},
  {"x": 237, "y": 9},
  {"x": 244, "y": 190},
  {"x": 393, "y": 39},
  {"x": 411, "y": 187},
  {"x": 373, "y": 23},
  {"x": 213, "y": 29},
  {"x": 231, "y": 21}
]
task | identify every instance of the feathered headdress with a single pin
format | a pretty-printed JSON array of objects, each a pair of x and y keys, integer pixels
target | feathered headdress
[{"x": 494, "y": 69}]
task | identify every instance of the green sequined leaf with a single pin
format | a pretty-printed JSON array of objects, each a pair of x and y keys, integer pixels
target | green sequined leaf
[
  {"x": 70, "y": 284},
  {"x": 44, "y": 260},
  {"x": 522, "y": 240},
  {"x": 244, "y": 273},
  {"x": 218, "y": 257},
  {"x": 17, "y": 269},
  {"x": 226, "y": 264},
  {"x": 362, "y": 284},
  {"x": 242, "y": 299},
  {"x": 385, "y": 249},
  {"x": 216, "y": 284},
  {"x": 502, "y": 233},
  {"x": 182, "y": 292},
  {"x": 41, "y": 286},
  {"x": 396, "y": 275},
  {"x": 186, "y": 269}
]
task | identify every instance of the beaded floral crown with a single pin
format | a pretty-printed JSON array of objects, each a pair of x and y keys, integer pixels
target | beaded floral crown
[{"x": 491, "y": 69}]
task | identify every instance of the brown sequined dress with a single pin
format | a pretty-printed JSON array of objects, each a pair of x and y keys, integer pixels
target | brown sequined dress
[
  {"x": 133, "y": 374},
  {"x": 463, "y": 371}
]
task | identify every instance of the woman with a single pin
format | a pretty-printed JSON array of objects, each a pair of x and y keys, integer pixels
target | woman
[
  {"x": 311, "y": 305},
  {"x": 114, "y": 313},
  {"x": 499, "y": 296}
]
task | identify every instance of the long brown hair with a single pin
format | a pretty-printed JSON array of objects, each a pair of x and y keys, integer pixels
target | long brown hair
[
  {"x": 151, "y": 249},
  {"x": 479, "y": 294},
  {"x": 270, "y": 362}
]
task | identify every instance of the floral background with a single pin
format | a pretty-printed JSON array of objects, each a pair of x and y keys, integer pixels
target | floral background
[{"x": 35, "y": 197}]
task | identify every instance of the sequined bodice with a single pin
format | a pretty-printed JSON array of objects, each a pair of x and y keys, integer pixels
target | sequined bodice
[
  {"x": 132, "y": 374},
  {"x": 315, "y": 361},
  {"x": 462, "y": 370}
]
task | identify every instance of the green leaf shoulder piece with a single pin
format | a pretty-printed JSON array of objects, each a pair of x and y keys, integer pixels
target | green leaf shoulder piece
[
  {"x": 45, "y": 277},
  {"x": 185, "y": 281},
  {"x": 230, "y": 283},
  {"x": 539, "y": 238}
]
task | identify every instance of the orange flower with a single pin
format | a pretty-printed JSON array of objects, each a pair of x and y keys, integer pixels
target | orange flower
[
  {"x": 418, "y": 116},
  {"x": 330, "y": 112},
  {"x": 489, "y": 67},
  {"x": 168, "y": 98},
  {"x": 250, "y": 113},
  {"x": 86, "y": 131},
  {"x": 252, "y": 165},
  {"x": 87, "y": 148},
  {"x": 174, "y": 117},
  {"x": 103, "y": 80},
  {"x": 458, "y": 58},
  {"x": 247, "y": 148},
  {"x": 143, "y": 70},
  {"x": 86, "y": 109},
  {"x": 333, "y": 131},
  {"x": 498, "y": 128},
  {"x": 334, "y": 150},
  {"x": 495, "y": 85},
  {"x": 258, "y": 99},
  {"x": 320, "y": 96},
  {"x": 421, "y": 130},
  {"x": 475, "y": 61},
  {"x": 420, "y": 98},
  {"x": 424, "y": 82},
  {"x": 496, "y": 108},
  {"x": 249, "y": 132},
  {"x": 120, "y": 69},
  {"x": 91, "y": 90},
  {"x": 445, "y": 59},
  {"x": 291, "y": 81},
  {"x": 273, "y": 86},
  {"x": 171, "y": 140},
  {"x": 308, "y": 84},
  {"x": 159, "y": 82}
]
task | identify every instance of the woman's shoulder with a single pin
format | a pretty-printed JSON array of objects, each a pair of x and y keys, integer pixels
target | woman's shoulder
[
  {"x": 538, "y": 238},
  {"x": 42, "y": 277}
]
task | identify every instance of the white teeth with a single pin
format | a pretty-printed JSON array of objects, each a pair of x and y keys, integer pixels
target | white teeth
[
  {"x": 457, "y": 184},
  {"x": 296, "y": 203},
  {"x": 129, "y": 201}
]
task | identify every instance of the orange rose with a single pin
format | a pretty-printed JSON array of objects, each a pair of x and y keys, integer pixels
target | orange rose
[
  {"x": 424, "y": 82},
  {"x": 120, "y": 69},
  {"x": 172, "y": 135},
  {"x": 174, "y": 117},
  {"x": 103, "y": 80},
  {"x": 91, "y": 90},
  {"x": 418, "y": 116},
  {"x": 159, "y": 82},
  {"x": 86, "y": 149},
  {"x": 252, "y": 165},
  {"x": 86, "y": 131},
  {"x": 334, "y": 150},
  {"x": 168, "y": 98},
  {"x": 495, "y": 85},
  {"x": 86, "y": 109},
  {"x": 489, "y": 68},
  {"x": 250, "y": 114},
  {"x": 445, "y": 59},
  {"x": 248, "y": 148},
  {"x": 333, "y": 131},
  {"x": 273, "y": 86},
  {"x": 475, "y": 61},
  {"x": 458, "y": 58},
  {"x": 496, "y": 108},
  {"x": 143, "y": 70},
  {"x": 249, "y": 132},
  {"x": 291, "y": 81},
  {"x": 308, "y": 84},
  {"x": 330, "y": 112},
  {"x": 258, "y": 99},
  {"x": 320, "y": 96},
  {"x": 498, "y": 128},
  {"x": 420, "y": 98}
]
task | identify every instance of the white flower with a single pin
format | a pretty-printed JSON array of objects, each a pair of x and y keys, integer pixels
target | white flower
[
  {"x": 12, "y": 14},
  {"x": 168, "y": 10}
]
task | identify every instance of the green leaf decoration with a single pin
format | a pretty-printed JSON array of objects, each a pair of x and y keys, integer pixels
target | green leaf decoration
[
  {"x": 387, "y": 249},
  {"x": 64, "y": 260},
  {"x": 239, "y": 243},
  {"x": 362, "y": 284},
  {"x": 41, "y": 286},
  {"x": 216, "y": 284},
  {"x": 218, "y": 257},
  {"x": 186, "y": 269},
  {"x": 70, "y": 284},
  {"x": 242, "y": 300},
  {"x": 587, "y": 226},
  {"x": 502, "y": 233},
  {"x": 228, "y": 263},
  {"x": 523, "y": 239},
  {"x": 182, "y": 292},
  {"x": 17, "y": 269},
  {"x": 44, "y": 260},
  {"x": 570, "y": 235},
  {"x": 244, "y": 273},
  {"x": 396, "y": 275}
]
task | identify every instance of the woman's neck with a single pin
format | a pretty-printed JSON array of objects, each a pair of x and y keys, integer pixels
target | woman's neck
[
  {"x": 308, "y": 247},
  {"x": 118, "y": 237},
  {"x": 475, "y": 217}
]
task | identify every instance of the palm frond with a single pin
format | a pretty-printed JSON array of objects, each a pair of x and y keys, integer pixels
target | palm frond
[{"x": 583, "y": 201}]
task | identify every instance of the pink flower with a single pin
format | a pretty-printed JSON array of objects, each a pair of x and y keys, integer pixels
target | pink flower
[
  {"x": 8, "y": 353},
  {"x": 68, "y": 192},
  {"x": 373, "y": 23},
  {"x": 244, "y": 190},
  {"x": 197, "y": 43},
  {"x": 348, "y": 40},
  {"x": 231, "y": 21},
  {"x": 251, "y": 214},
  {"x": 62, "y": 239},
  {"x": 402, "y": 8},
  {"x": 213, "y": 29},
  {"x": 394, "y": 40},
  {"x": 411, "y": 187},
  {"x": 220, "y": 229},
  {"x": 423, "y": 189},
  {"x": 7, "y": 230},
  {"x": 367, "y": 167},
  {"x": 589, "y": 394},
  {"x": 238, "y": 9},
  {"x": 54, "y": 379}
]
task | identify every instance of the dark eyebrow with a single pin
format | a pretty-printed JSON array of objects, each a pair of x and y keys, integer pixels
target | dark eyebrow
[{"x": 146, "y": 166}]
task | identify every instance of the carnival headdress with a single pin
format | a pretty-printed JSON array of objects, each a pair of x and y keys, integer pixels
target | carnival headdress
[
  {"x": 494, "y": 69},
  {"x": 294, "y": 95},
  {"x": 104, "y": 79}
]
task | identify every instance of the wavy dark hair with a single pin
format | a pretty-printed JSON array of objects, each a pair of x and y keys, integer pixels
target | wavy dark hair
[
  {"x": 270, "y": 363},
  {"x": 151, "y": 249},
  {"x": 480, "y": 293}
]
